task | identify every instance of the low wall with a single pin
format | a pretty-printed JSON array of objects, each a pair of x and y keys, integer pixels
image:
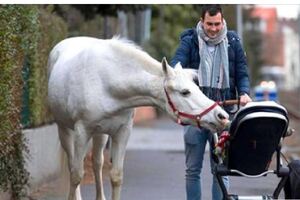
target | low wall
[
  {"x": 5, "y": 196},
  {"x": 44, "y": 162},
  {"x": 46, "y": 155},
  {"x": 144, "y": 113}
]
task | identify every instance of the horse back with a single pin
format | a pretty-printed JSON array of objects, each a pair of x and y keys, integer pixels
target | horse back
[{"x": 78, "y": 79}]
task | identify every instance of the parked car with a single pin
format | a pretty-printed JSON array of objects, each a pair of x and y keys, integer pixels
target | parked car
[{"x": 266, "y": 91}]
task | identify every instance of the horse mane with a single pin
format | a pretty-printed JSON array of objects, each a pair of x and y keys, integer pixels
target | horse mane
[{"x": 130, "y": 49}]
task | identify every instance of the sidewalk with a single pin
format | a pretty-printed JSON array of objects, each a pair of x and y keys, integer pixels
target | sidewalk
[
  {"x": 161, "y": 134},
  {"x": 154, "y": 169}
]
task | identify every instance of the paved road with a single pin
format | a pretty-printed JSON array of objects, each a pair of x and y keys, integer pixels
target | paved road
[
  {"x": 154, "y": 169},
  {"x": 160, "y": 175}
]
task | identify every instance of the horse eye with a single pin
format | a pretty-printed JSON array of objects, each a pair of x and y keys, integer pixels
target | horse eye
[{"x": 185, "y": 92}]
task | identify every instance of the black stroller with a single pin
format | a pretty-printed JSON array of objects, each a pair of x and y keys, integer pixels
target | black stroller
[{"x": 255, "y": 134}]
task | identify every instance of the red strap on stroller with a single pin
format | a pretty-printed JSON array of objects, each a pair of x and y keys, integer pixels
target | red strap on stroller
[
  {"x": 220, "y": 145},
  {"x": 224, "y": 137}
]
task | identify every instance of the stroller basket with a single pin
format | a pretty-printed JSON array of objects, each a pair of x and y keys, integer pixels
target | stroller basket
[{"x": 255, "y": 134}]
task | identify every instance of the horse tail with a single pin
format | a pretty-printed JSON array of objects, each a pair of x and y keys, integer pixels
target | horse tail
[
  {"x": 78, "y": 194},
  {"x": 64, "y": 173},
  {"x": 65, "y": 176}
]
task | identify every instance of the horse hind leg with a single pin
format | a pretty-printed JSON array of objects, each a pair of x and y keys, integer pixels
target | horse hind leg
[
  {"x": 75, "y": 144},
  {"x": 99, "y": 142}
]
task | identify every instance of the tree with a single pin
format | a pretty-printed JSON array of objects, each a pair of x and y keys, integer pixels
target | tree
[
  {"x": 168, "y": 22},
  {"x": 90, "y": 12}
]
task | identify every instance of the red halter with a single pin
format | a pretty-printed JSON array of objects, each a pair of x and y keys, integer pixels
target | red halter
[{"x": 179, "y": 114}]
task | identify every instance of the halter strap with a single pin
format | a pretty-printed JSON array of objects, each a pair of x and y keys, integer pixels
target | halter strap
[{"x": 196, "y": 117}]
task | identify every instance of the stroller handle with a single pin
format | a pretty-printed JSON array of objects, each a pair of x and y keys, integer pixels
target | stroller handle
[{"x": 229, "y": 102}]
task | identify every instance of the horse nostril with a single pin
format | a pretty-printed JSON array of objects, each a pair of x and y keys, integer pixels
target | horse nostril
[{"x": 221, "y": 116}]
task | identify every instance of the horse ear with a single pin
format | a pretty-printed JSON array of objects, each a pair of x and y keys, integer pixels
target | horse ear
[
  {"x": 164, "y": 64},
  {"x": 168, "y": 71},
  {"x": 193, "y": 74},
  {"x": 178, "y": 66}
]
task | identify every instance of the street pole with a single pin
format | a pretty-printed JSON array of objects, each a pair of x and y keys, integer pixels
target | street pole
[{"x": 239, "y": 21}]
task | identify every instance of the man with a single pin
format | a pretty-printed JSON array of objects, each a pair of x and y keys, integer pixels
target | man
[{"x": 218, "y": 56}]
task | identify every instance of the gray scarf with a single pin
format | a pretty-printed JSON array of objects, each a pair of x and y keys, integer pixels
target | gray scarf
[{"x": 213, "y": 73}]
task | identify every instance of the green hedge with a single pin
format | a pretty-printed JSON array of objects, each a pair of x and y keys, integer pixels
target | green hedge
[
  {"x": 52, "y": 29},
  {"x": 27, "y": 33},
  {"x": 18, "y": 27}
]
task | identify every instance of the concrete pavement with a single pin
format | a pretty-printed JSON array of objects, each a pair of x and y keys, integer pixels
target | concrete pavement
[
  {"x": 159, "y": 175},
  {"x": 154, "y": 169}
]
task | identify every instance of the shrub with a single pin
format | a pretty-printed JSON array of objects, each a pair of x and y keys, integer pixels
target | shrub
[
  {"x": 52, "y": 29},
  {"x": 26, "y": 31},
  {"x": 17, "y": 26}
]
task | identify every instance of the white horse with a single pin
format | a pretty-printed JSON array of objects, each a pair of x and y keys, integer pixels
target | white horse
[{"x": 94, "y": 86}]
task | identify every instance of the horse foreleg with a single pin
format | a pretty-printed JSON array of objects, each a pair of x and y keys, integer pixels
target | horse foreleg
[
  {"x": 118, "y": 148},
  {"x": 99, "y": 142}
]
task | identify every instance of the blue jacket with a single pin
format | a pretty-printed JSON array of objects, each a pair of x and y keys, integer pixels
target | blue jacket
[{"x": 188, "y": 55}]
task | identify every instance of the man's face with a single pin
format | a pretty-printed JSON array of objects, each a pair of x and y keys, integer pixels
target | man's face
[{"x": 212, "y": 25}]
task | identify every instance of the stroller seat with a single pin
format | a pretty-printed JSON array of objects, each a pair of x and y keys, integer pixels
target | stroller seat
[{"x": 255, "y": 134}]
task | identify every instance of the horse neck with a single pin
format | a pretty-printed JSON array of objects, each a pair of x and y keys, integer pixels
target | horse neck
[
  {"x": 142, "y": 77},
  {"x": 150, "y": 92},
  {"x": 141, "y": 87}
]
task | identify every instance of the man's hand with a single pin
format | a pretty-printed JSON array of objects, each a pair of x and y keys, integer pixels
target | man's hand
[{"x": 244, "y": 99}]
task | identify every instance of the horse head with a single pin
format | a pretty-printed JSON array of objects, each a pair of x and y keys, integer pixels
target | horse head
[{"x": 187, "y": 104}]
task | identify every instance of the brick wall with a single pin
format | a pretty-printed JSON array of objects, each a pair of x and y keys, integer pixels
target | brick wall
[{"x": 143, "y": 114}]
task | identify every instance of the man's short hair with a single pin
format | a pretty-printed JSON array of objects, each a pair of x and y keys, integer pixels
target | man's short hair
[{"x": 212, "y": 10}]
